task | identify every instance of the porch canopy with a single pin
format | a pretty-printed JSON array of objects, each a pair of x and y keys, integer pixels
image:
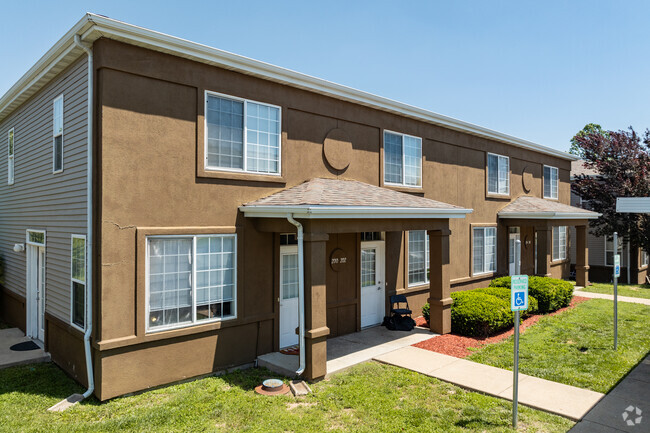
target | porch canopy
[
  {"x": 540, "y": 216},
  {"x": 328, "y": 206}
]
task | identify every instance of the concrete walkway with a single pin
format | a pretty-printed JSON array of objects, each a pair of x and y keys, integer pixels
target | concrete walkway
[
  {"x": 626, "y": 407},
  {"x": 583, "y": 293},
  {"x": 351, "y": 349},
  {"x": 565, "y": 400},
  {"x": 10, "y": 358}
]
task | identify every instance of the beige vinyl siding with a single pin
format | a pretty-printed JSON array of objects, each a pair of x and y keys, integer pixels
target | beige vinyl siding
[{"x": 39, "y": 199}]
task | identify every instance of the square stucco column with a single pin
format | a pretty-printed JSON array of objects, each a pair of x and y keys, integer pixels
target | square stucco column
[
  {"x": 439, "y": 290},
  {"x": 316, "y": 330},
  {"x": 544, "y": 250},
  {"x": 582, "y": 256}
]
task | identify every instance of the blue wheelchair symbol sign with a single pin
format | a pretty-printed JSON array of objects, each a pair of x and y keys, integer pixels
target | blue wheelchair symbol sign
[{"x": 520, "y": 300}]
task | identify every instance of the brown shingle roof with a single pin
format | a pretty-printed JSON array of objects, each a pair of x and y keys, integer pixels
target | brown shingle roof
[
  {"x": 539, "y": 208},
  {"x": 336, "y": 192}
]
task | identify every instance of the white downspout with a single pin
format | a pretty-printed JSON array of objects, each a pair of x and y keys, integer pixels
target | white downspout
[
  {"x": 301, "y": 294},
  {"x": 89, "y": 234}
]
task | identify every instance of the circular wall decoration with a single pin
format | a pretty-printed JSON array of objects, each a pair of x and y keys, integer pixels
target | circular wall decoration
[
  {"x": 527, "y": 179},
  {"x": 337, "y": 149},
  {"x": 338, "y": 259}
]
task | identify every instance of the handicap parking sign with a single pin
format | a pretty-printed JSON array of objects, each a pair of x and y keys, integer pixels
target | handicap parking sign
[{"x": 519, "y": 292}]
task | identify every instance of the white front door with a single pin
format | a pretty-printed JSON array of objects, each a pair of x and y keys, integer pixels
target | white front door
[
  {"x": 36, "y": 292},
  {"x": 288, "y": 295},
  {"x": 373, "y": 301},
  {"x": 512, "y": 245}
]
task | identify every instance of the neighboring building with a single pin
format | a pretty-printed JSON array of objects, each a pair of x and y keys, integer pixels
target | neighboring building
[
  {"x": 601, "y": 249},
  {"x": 175, "y": 208}
]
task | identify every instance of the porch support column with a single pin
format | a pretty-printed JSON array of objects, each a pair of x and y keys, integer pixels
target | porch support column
[
  {"x": 439, "y": 290},
  {"x": 582, "y": 256},
  {"x": 544, "y": 250},
  {"x": 316, "y": 330}
]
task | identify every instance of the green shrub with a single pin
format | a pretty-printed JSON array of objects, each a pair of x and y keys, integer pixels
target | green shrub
[
  {"x": 504, "y": 293},
  {"x": 479, "y": 314},
  {"x": 551, "y": 294},
  {"x": 425, "y": 312}
]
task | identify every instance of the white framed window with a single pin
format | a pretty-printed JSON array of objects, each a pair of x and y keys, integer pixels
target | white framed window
[
  {"x": 57, "y": 135},
  {"x": 418, "y": 254},
  {"x": 609, "y": 249},
  {"x": 10, "y": 157},
  {"x": 78, "y": 279},
  {"x": 242, "y": 135},
  {"x": 559, "y": 242},
  {"x": 484, "y": 250},
  {"x": 402, "y": 159},
  {"x": 550, "y": 182},
  {"x": 645, "y": 259},
  {"x": 35, "y": 237},
  {"x": 190, "y": 280},
  {"x": 498, "y": 174}
]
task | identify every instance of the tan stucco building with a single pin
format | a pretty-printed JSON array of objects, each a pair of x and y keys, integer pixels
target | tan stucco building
[{"x": 181, "y": 224}]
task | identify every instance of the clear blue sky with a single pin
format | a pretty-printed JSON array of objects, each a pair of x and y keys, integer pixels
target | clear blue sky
[{"x": 539, "y": 70}]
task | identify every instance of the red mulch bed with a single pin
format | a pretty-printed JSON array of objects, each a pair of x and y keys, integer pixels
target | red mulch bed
[{"x": 458, "y": 345}]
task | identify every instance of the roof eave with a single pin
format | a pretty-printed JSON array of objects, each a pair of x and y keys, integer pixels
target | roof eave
[
  {"x": 549, "y": 215},
  {"x": 350, "y": 212},
  {"x": 92, "y": 27}
]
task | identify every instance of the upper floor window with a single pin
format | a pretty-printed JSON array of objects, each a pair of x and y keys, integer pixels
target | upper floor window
[
  {"x": 10, "y": 157},
  {"x": 484, "y": 247},
  {"x": 498, "y": 174},
  {"x": 550, "y": 182},
  {"x": 78, "y": 277},
  {"x": 241, "y": 135},
  {"x": 190, "y": 280},
  {"x": 559, "y": 242},
  {"x": 402, "y": 159},
  {"x": 418, "y": 251},
  {"x": 57, "y": 131}
]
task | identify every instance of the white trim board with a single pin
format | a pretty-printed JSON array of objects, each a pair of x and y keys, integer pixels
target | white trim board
[{"x": 91, "y": 27}]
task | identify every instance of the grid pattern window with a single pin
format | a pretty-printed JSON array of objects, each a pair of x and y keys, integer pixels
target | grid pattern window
[
  {"x": 289, "y": 287},
  {"x": 57, "y": 140},
  {"x": 418, "y": 251},
  {"x": 190, "y": 279},
  {"x": 402, "y": 159},
  {"x": 484, "y": 250},
  {"x": 78, "y": 277},
  {"x": 550, "y": 182},
  {"x": 371, "y": 236},
  {"x": 609, "y": 250},
  {"x": 498, "y": 174},
  {"x": 10, "y": 157},
  {"x": 368, "y": 267},
  {"x": 242, "y": 135},
  {"x": 559, "y": 243},
  {"x": 288, "y": 239}
]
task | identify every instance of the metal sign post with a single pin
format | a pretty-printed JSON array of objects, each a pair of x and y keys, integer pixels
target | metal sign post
[
  {"x": 518, "y": 302},
  {"x": 617, "y": 273}
]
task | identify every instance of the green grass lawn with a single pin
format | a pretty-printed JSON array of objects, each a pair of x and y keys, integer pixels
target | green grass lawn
[
  {"x": 636, "y": 291},
  {"x": 370, "y": 397},
  {"x": 576, "y": 347}
]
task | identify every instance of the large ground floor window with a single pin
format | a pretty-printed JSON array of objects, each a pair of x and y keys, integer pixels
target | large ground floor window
[
  {"x": 559, "y": 243},
  {"x": 190, "y": 279},
  {"x": 484, "y": 250},
  {"x": 418, "y": 253}
]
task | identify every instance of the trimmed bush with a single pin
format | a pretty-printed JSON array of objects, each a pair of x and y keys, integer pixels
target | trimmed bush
[
  {"x": 551, "y": 294},
  {"x": 479, "y": 314},
  {"x": 504, "y": 293},
  {"x": 425, "y": 312}
]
